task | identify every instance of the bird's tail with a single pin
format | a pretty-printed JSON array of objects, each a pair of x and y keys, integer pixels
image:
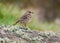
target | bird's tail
[{"x": 16, "y": 22}]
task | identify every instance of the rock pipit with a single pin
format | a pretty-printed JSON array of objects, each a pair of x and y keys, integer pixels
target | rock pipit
[{"x": 25, "y": 19}]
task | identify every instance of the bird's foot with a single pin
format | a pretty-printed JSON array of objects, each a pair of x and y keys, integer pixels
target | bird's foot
[{"x": 25, "y": 28}]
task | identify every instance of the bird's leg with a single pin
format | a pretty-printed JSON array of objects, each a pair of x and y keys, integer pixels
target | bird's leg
[{"x": 25, "y": 25}]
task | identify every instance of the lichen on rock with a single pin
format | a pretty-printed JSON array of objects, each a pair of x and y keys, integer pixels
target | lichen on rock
[{"x": 17, "y": 34}]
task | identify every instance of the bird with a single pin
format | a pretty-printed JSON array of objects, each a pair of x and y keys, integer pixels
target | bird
[{"x": 25, "y": 19}]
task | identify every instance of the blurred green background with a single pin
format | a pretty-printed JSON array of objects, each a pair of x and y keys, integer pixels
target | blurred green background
[{"x": 10, "y": 13}]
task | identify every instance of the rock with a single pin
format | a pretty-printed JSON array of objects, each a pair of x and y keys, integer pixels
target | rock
[{"x": 16, "y": 34}]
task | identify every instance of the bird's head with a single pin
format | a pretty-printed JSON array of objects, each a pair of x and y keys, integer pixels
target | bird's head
[{"x": 30, "y": 12}]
